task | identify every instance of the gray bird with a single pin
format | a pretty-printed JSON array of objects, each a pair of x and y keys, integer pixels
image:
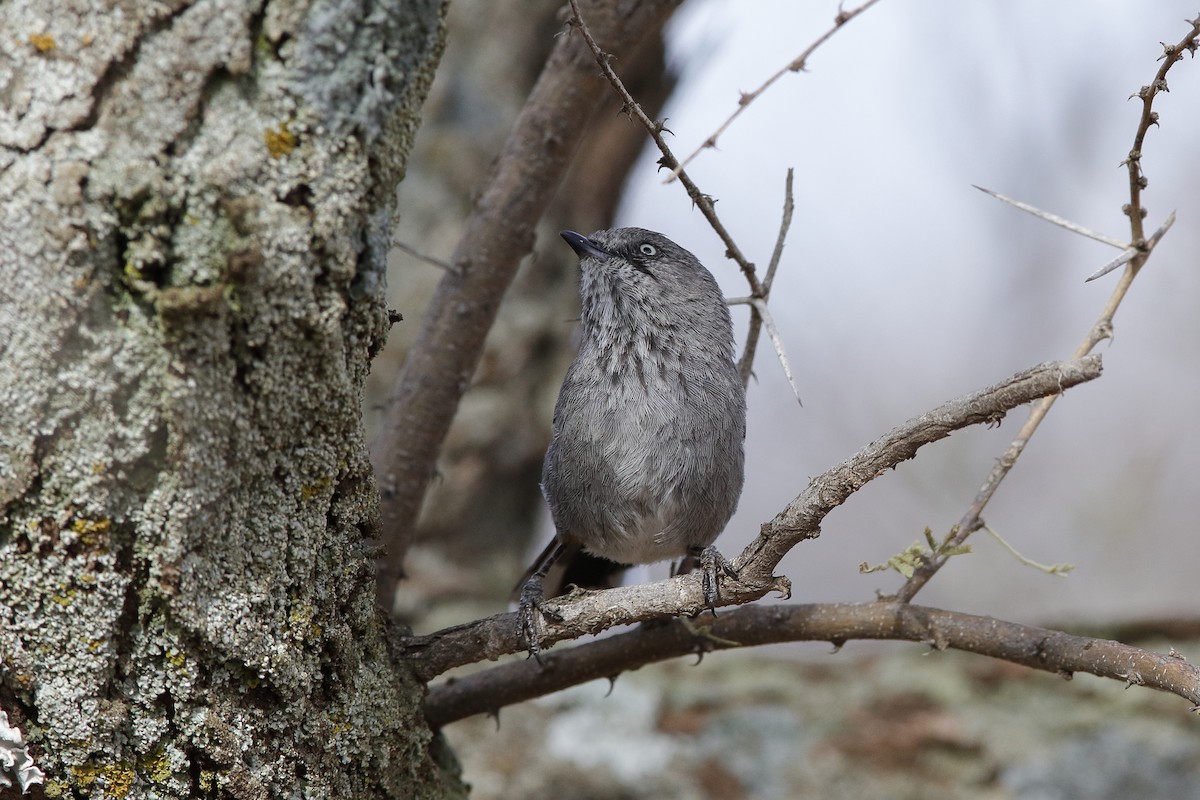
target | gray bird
[{"x": 645, "y": 461}]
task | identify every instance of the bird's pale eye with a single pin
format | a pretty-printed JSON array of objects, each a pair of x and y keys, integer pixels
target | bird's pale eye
[{"x": 648, "y": 249}]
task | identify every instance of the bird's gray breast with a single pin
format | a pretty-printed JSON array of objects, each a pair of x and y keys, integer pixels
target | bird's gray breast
[{"x": 646, "y": 456}]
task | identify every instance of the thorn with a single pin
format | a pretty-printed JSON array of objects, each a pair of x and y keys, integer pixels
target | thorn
[
  {"x": 612, "y": 684},
  {"x": 1055, "y": 219},
  {"x": 1124, "y": 258}
]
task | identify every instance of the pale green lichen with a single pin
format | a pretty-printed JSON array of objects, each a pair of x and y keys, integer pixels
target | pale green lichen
[{"x": 193, "y": 407}]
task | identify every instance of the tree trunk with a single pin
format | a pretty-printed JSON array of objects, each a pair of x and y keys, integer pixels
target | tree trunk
[{"x": 195, "y": 218}]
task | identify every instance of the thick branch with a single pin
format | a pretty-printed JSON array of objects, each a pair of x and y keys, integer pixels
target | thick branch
[
  {"x": 592, "y": 612},
  {"x": 1038, "y": 648},
  {"x": 498, "y": 235}
]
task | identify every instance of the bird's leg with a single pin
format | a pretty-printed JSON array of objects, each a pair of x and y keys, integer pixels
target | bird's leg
[
  {"x": 711, "y": 561},
  {"x": 533, "y": 600}
]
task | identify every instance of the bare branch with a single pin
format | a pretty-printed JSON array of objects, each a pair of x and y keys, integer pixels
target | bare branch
[
  {"x": 1038, "y": 648},
  {"x": 428, "y": 259},
  {"x": 797, "y": 64},
  {"x": 746, "y": 365},
  {"x": 591, "y": 612},
  {"x": 1055, "y": 219},
  {"x": 1101, "y": 329},
  {"x": 802, "y": 517},
  {"x": 702, "y": 201},
  {"x": 1133, "y": 162}
]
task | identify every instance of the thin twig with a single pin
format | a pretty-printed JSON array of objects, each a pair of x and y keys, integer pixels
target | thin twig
[
  {"x": 797, "y": 64},
  {"x": 428, "y": 259},
  {"x": 971, "y": 519},
  {"x": 655, "y": 129},
  {"x": 785, "y": 222},
  {"x": 746, "y": 365}
]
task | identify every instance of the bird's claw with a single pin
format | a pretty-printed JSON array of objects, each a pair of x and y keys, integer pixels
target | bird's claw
[
  {"x": 532, "y": 605},
  {"x": 711, "y": 562}
]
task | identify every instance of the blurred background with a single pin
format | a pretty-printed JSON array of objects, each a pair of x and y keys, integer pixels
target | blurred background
[{"x": 901, "y": 287}]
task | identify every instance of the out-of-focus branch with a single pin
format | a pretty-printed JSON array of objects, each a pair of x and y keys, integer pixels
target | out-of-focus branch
[
  {"x": 498, "y": 235},
  {"x": 1101, "y": 329},
  {"x": 591, "y": 612},
  {"x": 1039, "y": 648}
]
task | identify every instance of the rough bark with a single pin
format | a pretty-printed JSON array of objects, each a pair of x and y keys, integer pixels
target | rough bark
[{"x": 193, "y": 231}]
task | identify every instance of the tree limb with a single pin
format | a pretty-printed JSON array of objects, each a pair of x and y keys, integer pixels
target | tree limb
[
  {"x": 1039, "y": 648},
  {"x": 591, "y": 612}
]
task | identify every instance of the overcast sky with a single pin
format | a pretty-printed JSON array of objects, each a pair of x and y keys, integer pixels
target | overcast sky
[{"x": 903, "y": 287}]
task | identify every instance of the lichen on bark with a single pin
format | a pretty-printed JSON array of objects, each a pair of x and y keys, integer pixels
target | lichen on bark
[{"x": 187, "y": 317}]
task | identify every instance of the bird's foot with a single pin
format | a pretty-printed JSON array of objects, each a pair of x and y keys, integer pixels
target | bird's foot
[
  {"x": 531, "y": 605},
  {"x": 711, "y": 562}
]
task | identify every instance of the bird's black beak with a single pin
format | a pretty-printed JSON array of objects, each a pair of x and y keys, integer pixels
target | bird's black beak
[{"x": 583, "y": 246}]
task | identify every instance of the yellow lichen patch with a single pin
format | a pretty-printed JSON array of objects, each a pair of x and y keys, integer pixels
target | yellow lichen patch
[
  {"x": 176, "y": 659},
  {"x": 157, "y": 765},
  {"x": 118, "y": 778},
  {"x": 280, "y": 141},
  {"x": 85, "y": 527},
  {"x": 310, "y": 491},
  {"x": 65, "y": 598},
  {"x": 44, "y": 42},
  {"x": 93, "y": 533}
]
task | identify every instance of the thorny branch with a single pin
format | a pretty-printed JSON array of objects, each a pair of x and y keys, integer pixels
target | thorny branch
[
  {"x": 591, "y": 612},
  {"x": 797, "y": 64},
  {"x": 703, "y": 202},
  {"x": 746, "y": 365},
  {"x": 1039, "y": 648},
  {"x": 972, "y": 520},
  {"x": 759, "y": 290}
]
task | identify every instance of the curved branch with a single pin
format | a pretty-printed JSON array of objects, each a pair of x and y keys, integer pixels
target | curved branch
[
  {"x": 802, "y": 517},
  {"x": 1039, "y": 648},
  {"x": 591, "y": 612}
]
